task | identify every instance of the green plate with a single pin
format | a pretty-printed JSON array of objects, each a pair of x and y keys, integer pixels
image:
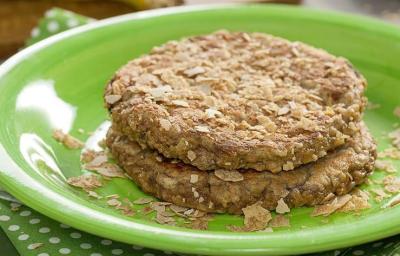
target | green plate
[{"x": 58, "y": 83}]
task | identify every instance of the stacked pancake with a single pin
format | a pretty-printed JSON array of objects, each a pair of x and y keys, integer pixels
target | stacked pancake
[{"x": 223, "y": 121}]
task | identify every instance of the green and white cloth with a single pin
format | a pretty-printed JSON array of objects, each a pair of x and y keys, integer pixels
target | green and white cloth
[{"x": 34, "y": 234}]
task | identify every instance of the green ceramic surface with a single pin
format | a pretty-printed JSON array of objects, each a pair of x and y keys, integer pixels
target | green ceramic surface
[{"x": 58, "y": 83}]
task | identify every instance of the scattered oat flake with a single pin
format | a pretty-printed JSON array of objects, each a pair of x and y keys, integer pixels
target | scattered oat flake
[
  {"x": 126, "y": 210},
  {"x": 380, "y": 194},
  {"x": 113, "y": 196},
  {"x": 194, "y": 178},
  {"x": 81, "y": 131},
  {"x": 335, "y": 204},
  {"x": 392, "y": 184},
  {"x": 177, "y": 209},
  {"x": 94, "y": 158},
  {"x": 112, "y": 98},
  {"x": 146, "y": 210},
  {"x": 256, "y": 217},
  {"x": 358, "y": 202},
  {"x": 282, "y": 207},
  {"x": 88, "y": 155},
  {"x": 280, "y": 221},
  {"x": 93, "y": 194},
  {"x": 107, "y": 169},
  {"x": 68, "y": 140},
  {"x": 157, "y": 206},
  {"x": 385, "y": 166},
  {"x": 163, "y": 219},
  {"x": 199, "y": 224},
  {"x": 143, "y": 200},
  {"x": 114, "y": 202},
  {"x": 87, "y": 182},
  {"x": 167, "y": 214},
  {"x": 393, "y": 153},
  {"x": 228, "y": 175},
  {"x": 395, "y": 136}
]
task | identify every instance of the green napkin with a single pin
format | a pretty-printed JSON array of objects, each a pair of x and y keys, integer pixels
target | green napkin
[
  {"x": 35, "y": 234},
  {"x": 55, "y": 21}
]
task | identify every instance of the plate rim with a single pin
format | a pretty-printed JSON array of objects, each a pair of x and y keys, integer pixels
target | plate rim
[{"x": 175, "y": 239}]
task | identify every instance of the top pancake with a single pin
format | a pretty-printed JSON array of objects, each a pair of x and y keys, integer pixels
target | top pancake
[{"x": 236, "y": 100}]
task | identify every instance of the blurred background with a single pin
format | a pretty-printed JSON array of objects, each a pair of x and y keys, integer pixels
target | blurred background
[{"x": 18, "y": 18}]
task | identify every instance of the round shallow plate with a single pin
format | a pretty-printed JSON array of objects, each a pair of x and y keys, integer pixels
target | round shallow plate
[{"x": 59, "y": 82}]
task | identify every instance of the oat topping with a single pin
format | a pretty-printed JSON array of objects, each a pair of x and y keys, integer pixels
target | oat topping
[
  {"x": 201, "y": 128},
  {"x": 66, "y": 139},
  {"x": 180, "y": 103},
  {"x": 86, "y": 181},
  {"x": 228, "y": 175},
  {"x": 266, "y": 94},
  {"x": 194, "y": 71},
  {"x": 212, "y": 113},
  {"x": 165, "y": 124},
  {"x": 112, "y": 99},
  {"x": 191, "y": 155},
  {"x": 194, "y": 178},
  {"x": 160, "y": 92}
]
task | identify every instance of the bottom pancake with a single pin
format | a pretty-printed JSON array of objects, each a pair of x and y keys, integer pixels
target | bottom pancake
[{"x": 230, "y": 191}]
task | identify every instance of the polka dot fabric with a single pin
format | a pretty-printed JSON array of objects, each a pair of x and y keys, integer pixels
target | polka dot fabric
[
  {"x": 36, "y": 235},
  {"x": 55, "y": 21}
]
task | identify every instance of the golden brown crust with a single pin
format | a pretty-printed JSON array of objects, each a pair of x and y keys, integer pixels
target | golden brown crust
[
  {"x": 238, "y": 100},
  {"x": 216, "y": 191}
]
